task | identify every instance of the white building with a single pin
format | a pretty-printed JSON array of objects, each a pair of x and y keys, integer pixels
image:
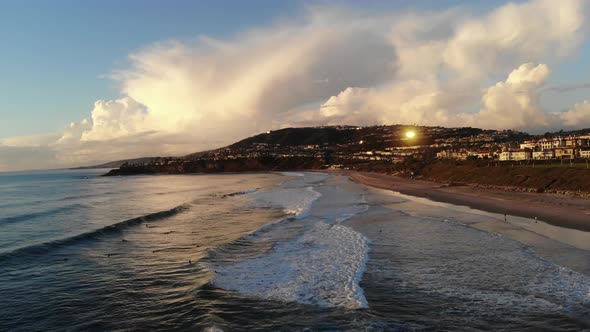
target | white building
[
  {"x": 505, "y": 155},
  {"x": 542, "y": 155},
  {"x": 515, "y": 155},
  {"x": 483, "y": 154},
  {"x": 460, "y": 155},
  {"x": 551, "y": 143},
  {"x": 528, "y": 145},
  {"x": 445, "y": 154}
]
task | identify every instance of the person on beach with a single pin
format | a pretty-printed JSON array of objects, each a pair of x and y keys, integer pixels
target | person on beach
[{"x": 505, "y": 220}]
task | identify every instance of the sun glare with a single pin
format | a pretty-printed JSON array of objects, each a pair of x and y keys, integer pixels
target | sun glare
[{"x": 410, "y": 134}]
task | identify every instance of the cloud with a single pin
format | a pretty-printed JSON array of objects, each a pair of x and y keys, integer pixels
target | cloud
[
  {"x": 28, "y": 141},
  {"x": 73, "y": 133},
  {"x": 514, "y": 103},
  {"x": 362, "y": 68},
  {"x": 115, "y": 118},
  {"x": 147, "y": 144},
  {"x": 110, "y": 119},
  {"x": 332, "y": 66},
  {"x": 246, "y": 85},
  {"x": 445, "y": 59},
  {"x": 511, "y": 34},
  {"x": 578, "y": 116}
]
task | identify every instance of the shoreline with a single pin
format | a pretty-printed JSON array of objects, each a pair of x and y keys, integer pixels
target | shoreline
[{"x": 554, "y": 209}]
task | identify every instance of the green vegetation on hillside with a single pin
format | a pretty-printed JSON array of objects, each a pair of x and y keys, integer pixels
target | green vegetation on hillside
[{"x": 541, "y": 178}]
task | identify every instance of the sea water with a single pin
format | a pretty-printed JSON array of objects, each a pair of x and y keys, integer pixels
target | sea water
[{"x": 262, "y": 251}]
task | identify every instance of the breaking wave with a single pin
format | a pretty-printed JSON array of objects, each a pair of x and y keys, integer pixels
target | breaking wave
[
  {"x": 294, "y": 201},
  {"x": 323, "y": 267},
  {"x": 309, "y": 258},
  {"x": 110, "y": 229}
]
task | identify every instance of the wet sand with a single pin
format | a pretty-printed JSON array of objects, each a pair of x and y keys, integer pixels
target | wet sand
[
  {"x": 557, "y": 210},
  {"x": 565, "y": 247}
]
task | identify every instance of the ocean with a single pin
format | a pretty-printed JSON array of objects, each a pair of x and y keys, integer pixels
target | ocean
[{"x": 273, "y": 252}]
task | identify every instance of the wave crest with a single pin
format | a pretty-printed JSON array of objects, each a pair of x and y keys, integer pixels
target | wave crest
[{"x": 110, "y": 229}]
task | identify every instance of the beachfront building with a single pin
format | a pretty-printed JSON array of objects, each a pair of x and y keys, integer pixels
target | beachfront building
[
  {"x": 483, "y": 154},
  {"x": 505, "y": 155},
  {"x": 464, "y": 154},
  {"x": 549, "y": 143},
  {"x": 516, "y": 155},
  {"x": 577, "y": 141},
  {"x": 448, "y": 154},
  {"x": 543, "y": 155},
  {"x": 585, "y": 154},
  {"x": 565, "y": 153},
  {"x": 581, "y": 141},
  {"x": 559, "y": 147},
  {"x": 529, "y": 145},
  {"x": 444, "y": 154}
]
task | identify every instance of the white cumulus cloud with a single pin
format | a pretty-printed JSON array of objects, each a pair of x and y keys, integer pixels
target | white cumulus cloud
[
  {"x": 578, "y": 116},
  {"x": 115, "y": 118},
  {"x": 514, "y": 103}
]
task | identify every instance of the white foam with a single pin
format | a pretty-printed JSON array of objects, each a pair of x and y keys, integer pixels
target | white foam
[
  {"x": 314, "y": 261},
  {"x": 213, "y": 329},
  {"x": 558, "y": 282},
  {"x": 323, "y": 267},
  {"x": 341, "y": 215},
  {"x": 296, "y": 201},
  {"x": 301, "y": 179}
]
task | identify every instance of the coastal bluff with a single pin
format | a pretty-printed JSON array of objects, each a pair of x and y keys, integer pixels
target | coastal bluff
[{"x": 383, "y": 150}]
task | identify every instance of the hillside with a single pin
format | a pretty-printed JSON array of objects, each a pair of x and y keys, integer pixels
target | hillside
[
  {"x": 382, "y": 149},
  {"x": 350, "y": 139},
  {"x": 374, "y": 137}
]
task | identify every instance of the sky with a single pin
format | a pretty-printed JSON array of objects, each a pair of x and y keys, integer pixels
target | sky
[{"x": 95, "y": 81}]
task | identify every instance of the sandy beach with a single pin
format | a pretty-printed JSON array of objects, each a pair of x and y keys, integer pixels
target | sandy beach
[
  {"x": 557, "y": 210},
  {"x": 478, "y": 209}
]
